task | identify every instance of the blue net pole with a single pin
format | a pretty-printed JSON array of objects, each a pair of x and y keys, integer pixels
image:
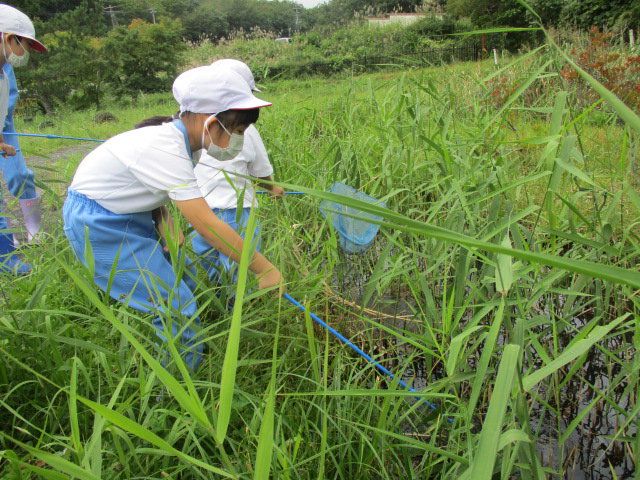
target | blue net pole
[
  {"x": 287, "y": 193},
  {"x": 91, "y": 140},
  {"x": 353, "y": 347},
  {"x": 51, "y": 136}
]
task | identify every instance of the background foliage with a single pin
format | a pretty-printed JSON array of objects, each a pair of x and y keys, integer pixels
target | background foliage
[{"x": 101, "y": 48}]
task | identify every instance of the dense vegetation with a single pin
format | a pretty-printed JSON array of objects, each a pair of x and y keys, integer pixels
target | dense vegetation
[
  {"x": 502, "y": 285},
  {"x": 101, "y": 48}
]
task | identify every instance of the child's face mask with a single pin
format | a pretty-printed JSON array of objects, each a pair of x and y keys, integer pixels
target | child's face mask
[
  {"x": 16, "y": 61},
  {"x": 236, "y": 142}
]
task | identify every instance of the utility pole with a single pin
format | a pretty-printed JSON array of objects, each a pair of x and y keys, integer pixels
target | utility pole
[
  {"x": 297, "y": 26},
  {"x": 153, "y": 14},
  {"x": 109, "y": 9}
]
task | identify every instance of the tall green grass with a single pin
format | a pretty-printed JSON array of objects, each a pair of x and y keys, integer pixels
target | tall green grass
[{"x": 502, "y": 285}]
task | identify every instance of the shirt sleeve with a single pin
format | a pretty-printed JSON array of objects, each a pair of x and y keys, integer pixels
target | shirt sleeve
[
  {"x": 260, "y": 166},
  {"x": 167, "y": 171}
]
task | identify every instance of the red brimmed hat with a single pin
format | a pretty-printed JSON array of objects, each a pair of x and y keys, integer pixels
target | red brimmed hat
[{"x": 14, "y": 21}]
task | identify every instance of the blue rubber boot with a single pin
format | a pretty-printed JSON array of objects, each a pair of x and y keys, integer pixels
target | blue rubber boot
[{"x": 10, "y": 262}]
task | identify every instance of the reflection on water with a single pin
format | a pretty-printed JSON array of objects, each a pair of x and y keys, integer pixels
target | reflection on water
[{"x": 598, "y": 446}]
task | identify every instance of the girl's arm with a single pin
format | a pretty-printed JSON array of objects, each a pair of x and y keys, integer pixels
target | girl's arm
[
  {"x": 274, "y": 190},
  {"x": 227, "y": 241}
]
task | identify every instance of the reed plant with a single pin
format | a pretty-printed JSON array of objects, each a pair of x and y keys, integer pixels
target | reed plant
[{"x": 502, "y": 286}]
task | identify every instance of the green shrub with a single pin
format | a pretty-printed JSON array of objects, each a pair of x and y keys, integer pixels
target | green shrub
[
  {"x": 78, "y": 71},
  {"x": 358, "y": 48},
  {"x": 71, "y": 72},
  {"x": 143, "y": 57}
]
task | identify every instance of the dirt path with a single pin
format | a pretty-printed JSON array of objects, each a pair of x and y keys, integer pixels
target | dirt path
[{"x": 51, "y": 177}]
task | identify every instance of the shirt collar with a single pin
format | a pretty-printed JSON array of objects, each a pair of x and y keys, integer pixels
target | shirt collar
[{"x": 180, "y": 126}]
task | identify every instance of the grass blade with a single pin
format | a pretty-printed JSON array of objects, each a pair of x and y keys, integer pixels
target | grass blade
[
  {"x": 571, "y": 353},
  {"x": 193, "y": 407},
  {"x": 138, "y": 430},
  {"x": 230, "y": 364},
  {"x": 485, "y": 456}
]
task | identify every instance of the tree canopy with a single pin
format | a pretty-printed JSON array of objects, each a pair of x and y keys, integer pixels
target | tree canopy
[{"x": 214, "y": 19}]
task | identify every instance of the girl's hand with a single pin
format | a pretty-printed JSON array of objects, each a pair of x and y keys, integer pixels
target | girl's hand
[
  {"x": 276, "y": 191},
  {"x": 168, "y": 233},
  {"x": 270, "y": 280},
  {"x": 167, "y": 228},
  {"x": 226, "y": 240},
  {"x": 7, "y": 150}
]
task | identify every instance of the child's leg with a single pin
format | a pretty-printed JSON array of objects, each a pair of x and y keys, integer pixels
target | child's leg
[
  {"x": 213, "y": 261},
  {"x": 9, "y": 262},
  {"x": 142, "y": 278},
  {"x": 19, "y": 178},
  {"x": 20, "y": 182}
]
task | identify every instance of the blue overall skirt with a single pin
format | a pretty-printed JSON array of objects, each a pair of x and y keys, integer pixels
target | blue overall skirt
[
  {"x": 143, "y": 277},
  {"x": 214, "y": 262}
]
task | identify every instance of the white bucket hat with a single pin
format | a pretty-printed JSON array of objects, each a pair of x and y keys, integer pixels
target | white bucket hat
[
  {"x": 14, "y": 21},
  {"x": 213, "y": 90},
  {"x": 240, "y": 68}
]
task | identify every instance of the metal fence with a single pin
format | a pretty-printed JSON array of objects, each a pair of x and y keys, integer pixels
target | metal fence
[
  {"x": 426, "y": 57},
  {"x": 422, "y": 58}
]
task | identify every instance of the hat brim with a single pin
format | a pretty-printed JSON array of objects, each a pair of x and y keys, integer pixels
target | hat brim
[
  {"x": 251, "y": 104},
  {"x": 36, "y": 45}
]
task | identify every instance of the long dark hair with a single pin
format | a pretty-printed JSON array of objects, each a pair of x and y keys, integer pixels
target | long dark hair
[
  {"x": 238, "y": 118},
  {"x": 229, "y": 118},
  {"x": 154, "y": 121}
]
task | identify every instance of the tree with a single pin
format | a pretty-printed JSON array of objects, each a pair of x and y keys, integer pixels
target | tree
[
  {"x": 490, "y": 13},
  {"x": 577, "y": 13},
  {"x": 85, "y": 19},
  {"x": 70, "y": 73},
  {"x": 47, "y": 9},
  {"x": 343, "y": 11},
  {"x": 603, "y": 13},
  {"x": 202, "y": 25},
  {"x": 278, "y": 17},
  {"x": 143, "y": 57}
]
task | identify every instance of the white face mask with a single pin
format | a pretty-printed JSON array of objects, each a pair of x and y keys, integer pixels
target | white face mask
[
  {"x": 236, "y": 143},
  {"x": 12, "y": 59}
]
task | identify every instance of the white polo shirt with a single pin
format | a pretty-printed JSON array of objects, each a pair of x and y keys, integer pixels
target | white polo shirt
[
  {"x": 138, "y": 170},
  {"x": 223, "y": 191}
]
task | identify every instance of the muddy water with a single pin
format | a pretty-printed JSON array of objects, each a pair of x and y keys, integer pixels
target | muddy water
[{"x": 590, "y": 452}]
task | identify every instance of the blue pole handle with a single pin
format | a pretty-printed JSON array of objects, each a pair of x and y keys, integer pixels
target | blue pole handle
[
  {"x": 353, "y": 347},
  {"x": 51, "y": 136},
  {"x": 287, "y": 193}
]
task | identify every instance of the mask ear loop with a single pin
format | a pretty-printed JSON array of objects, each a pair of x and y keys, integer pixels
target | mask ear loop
[
  {"x": 205, "y": 128},
  {"x": 5, "y": 43},
  {"x": 25, "y": 51},
  {"x": 224, "y": 128}
]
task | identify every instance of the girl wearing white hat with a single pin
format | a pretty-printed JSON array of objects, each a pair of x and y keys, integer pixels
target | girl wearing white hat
[
  {"x": 117, "y": 187},
  {"x": 231, "y": 196},
  {"x": 18, "y": 38}
]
